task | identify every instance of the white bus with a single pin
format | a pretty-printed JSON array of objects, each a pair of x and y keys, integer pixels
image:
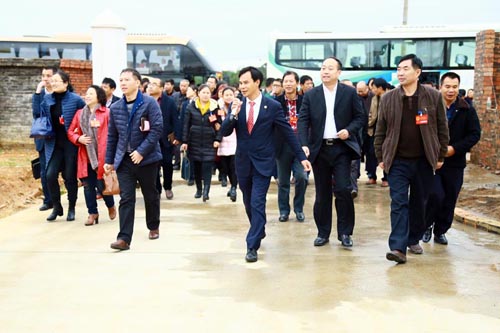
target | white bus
[
  {"x": 364, "y": 56},
  {"x": 153, "y": 55}
]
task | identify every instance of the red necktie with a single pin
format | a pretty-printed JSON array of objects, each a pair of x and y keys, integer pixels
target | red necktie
[{"x": 250, "y": 117}]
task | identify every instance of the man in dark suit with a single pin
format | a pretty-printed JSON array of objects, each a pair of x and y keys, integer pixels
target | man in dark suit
[
  {"x": 109, "y": 87},
  {"x": 330, "y": 118},
  {"x": 255, "y": 119}
]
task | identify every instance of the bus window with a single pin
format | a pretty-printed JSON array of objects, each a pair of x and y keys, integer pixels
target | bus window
[
  {"x": 6, "y": 50},
  {"x": 352, "y": 53},
  {"x": 430, "y": 51},
  {"x": 461, "y": 53}
]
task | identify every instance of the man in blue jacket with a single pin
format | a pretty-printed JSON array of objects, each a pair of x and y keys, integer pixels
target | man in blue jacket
[
  {"x": 133, "y": 150},
  {"x": 465, "y": 132}
]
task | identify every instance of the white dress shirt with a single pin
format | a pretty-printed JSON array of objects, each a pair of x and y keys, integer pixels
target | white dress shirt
[
  {"x": 256, "y": 107},
  {"x": 330, "y": 126}
]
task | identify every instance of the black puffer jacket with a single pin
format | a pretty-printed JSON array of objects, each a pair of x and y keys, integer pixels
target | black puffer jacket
[{"x": 199, "y": 132}]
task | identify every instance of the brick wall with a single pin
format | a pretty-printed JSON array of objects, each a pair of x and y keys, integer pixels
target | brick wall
[
  {"x": 19, "y": 80},
  {"x": 487, "y": 84}
]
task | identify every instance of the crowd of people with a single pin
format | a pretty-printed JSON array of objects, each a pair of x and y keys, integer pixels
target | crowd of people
[{"x": 416, "y": 134}]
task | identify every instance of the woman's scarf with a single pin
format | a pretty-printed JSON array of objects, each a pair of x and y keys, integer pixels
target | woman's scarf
[
  {"x": 203, "y": 109},
  {"x": 86, "y": 116}
]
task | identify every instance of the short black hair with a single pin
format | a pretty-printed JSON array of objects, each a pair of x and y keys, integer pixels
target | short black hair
[
  {"x": 110, "y": 82},
  {"x": 416, "y": 62},
  {"x": 295, "y": 75},
  {"x": 54, "y": 69},
  {"x": 269, "y": 81},
  {"x": 451, "y": 75},
  {"x": 304, "y": 79},
  {"x": 134, "y": 72},
  {"x": 254, "y": 72},
  {"x": 339, "y": 63},
  {"x": 171, "y": 81},
  {"x": 380, "y": 83}
]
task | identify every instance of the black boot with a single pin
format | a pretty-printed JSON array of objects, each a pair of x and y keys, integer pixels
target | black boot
[
  {"x": 197, "y": 195},
  {"x": 71, "y": 212},
  {"x": 232, "y": 193},
  {"x": 56, "y": 211},
  {"x": 206, "y": 190}
]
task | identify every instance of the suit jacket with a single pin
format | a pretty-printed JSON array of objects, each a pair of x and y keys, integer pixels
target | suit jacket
[
  {"x": 349, "y": 115},
  {"x": 257, "y": 149}
]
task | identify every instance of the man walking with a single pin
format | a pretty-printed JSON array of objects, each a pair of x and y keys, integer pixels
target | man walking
[{"x": 411, "y": 141}]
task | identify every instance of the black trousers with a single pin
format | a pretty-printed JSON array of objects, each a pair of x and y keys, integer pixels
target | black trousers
[
  {"x": 440, "y": 209},
  {"x": 228, "y": 169},
  {"x": 63, "y": 160},
  {"x": 333, "y": 161},
  {"x": 128, "y": 175},
  {"x": 168, "y": 169},
  {"x": 202, "y": 171}
]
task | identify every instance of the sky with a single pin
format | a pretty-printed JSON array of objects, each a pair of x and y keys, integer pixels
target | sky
[{"x": 234, "y": 34}]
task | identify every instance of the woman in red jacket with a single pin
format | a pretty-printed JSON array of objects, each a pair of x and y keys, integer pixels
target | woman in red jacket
[{"x": 89, "y": 132}]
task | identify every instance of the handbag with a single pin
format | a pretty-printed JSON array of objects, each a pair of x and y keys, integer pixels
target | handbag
[
  {"x": 185, "y": 167},
  {"x": 41, "y": 127},
  {"x": 35, "y": 168},
  {"x": 111, "y": 185}
]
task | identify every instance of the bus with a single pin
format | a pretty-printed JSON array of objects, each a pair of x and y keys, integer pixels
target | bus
[
  {"x": 155, "y": 55},
  {"x": 367, "y": 55}
]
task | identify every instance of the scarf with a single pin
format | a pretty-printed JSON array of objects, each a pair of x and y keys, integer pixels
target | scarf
[
  {"x": 85, "y": 118},
  {"x": 203, "y": 109}
]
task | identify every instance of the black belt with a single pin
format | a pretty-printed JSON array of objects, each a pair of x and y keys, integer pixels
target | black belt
[{"x": 331, "y": 142}]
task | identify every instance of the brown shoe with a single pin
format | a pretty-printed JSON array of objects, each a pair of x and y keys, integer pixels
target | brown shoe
[
  {"x": 396, "y": 256},
  {"x": 371, "y": 181},
  {"x": 92, "y": 219},
  {"x": 154, "y": 234},
  {"x": 120, "y": 244},
  {"x": 112, "y": 212},
  {"x": 385, "y": 183},
  {"x": 169, "y": 194},
  {"x": 416, "y": 249}
]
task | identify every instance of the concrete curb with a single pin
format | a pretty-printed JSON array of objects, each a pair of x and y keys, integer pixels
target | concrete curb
[{"x": 477, "y": 221}]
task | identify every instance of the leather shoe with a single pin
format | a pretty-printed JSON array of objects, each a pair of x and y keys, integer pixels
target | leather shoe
[
  {"x": 45, "y": 207},
  {"x": 346, "y": 240},
  {"x": 92, "y": 219},
  {"x": 154, "y": 234},
  {"x": 120, "y": 245},
  {"x": 56, "y": 211},
  {"x": 354, "y": 194},
  {"x": 416, "y": 249},
  {"x": 169, "y": 194},
  {"x": 371, "y": 181},
  {"x": 197, "y": 195},
  {"x": 300, "y": 216},
  {"x": 440, "y": 239},
  {"x": 320, "y": 241},
  {"x": 283, "y": 218},
  {"x": 112, "y": 212},
  {"x": 396, "y": 256},
  {"x": 251, "y": 255},
  {"x": 190, "y": 182},
  {"x": 427, "y": 235}
]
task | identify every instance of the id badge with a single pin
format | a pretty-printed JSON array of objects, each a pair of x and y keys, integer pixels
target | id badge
[
  {"x": 421, "y": 119},
  {"x": 61, "y": 120},
  {"x": 221, "y": 113},
  {"x": 212, "y": 118},
  {"x": 95, "y": 123}
]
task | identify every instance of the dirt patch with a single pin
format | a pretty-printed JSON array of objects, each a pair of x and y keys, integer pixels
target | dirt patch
[
  {"x": 18, "y": 188},
  {"x": 484, "y": 201}
]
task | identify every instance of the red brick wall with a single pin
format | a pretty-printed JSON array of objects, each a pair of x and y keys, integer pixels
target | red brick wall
[
  {"x": 487, "y": 84},
  {"x": 80, "y": 73}
]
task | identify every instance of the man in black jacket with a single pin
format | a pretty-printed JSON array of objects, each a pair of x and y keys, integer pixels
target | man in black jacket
[
  {"x": 170, "y": 134},
  {"x": 465, "y": 131}
]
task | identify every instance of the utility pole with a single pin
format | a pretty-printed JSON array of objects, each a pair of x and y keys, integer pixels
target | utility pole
[{"x": 405, "y": 12}]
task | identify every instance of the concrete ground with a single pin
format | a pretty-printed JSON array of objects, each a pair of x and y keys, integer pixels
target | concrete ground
[{"x": 63, "y": 277}]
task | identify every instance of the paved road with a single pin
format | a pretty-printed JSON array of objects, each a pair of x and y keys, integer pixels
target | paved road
[{"x": 63, "y": 277}]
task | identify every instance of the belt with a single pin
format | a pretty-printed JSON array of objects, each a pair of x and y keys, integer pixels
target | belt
[{"x": 330, "y": 142}]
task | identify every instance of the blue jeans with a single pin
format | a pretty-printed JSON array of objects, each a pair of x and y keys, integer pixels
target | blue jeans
[
  {"x": 286, "y": 163},
  {"x": 408, "y": 211},
  {"x": 43, "y": 177},
  {"x": 90, "y": 183}
]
